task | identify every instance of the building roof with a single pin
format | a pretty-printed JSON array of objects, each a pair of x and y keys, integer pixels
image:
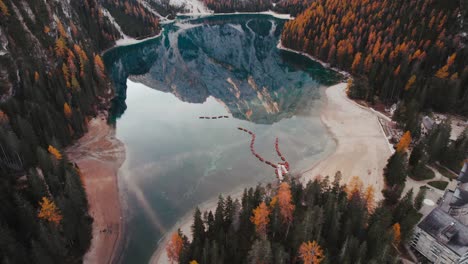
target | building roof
[
  {"x": 463, "y": 176},
  {"x": 446, "y": 230},
  {"x": 460, "y": 198},
  {"x": 428, "y": 122}
]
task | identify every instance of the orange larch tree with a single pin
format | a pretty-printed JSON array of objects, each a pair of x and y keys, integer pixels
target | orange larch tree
[
  {"x": 261, "y": 219},
  {"x": 404, "y": 143},
  {"x": 55, "y": 152},
  {"x": 4, "y": 8},
  {"x": 60, "y": 47},
  {"x": 285, "y": 203},
  {"x": 3, "y": 118},
  {"x": 61, "y": 30},
  {"x": 354, "y": 186},
  {"x": 36, "y": 76},
  {"x": 67, "y": 110},
  {"x": 99, "y": 66},
  {"x": 49, "y": 211},
  {"x": 311, "y": 253},
  {"x": 396, "y": 234},
  {"x": 356, "y": 62},
  {"x": 410, "y": 82},
  {"x": 174, "y": 248},
  {"x": 369, "y": 197}
]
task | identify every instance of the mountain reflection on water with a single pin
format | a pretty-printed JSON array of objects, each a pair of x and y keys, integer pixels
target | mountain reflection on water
[
  {"x": 232, "y": 58},
  {"x": 220, "y": 65}
]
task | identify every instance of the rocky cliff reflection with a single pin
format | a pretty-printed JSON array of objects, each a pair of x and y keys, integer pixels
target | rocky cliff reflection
[
  {"x": 211, "y": 66},
  {"x": 232, "y": 58}
]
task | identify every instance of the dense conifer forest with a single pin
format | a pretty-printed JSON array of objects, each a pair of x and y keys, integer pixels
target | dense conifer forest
[
  {"x": 134, "y": 19},
  {"x": 412, "y": 52},
  {"x": 52, "y": 81},
  {"x": 228, "y": 6},
  {"x": 322, "y": 222}
]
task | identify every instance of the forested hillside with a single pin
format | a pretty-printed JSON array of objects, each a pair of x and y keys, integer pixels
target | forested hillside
[
  {"x": 322, "y": 222},
  {"x": 52, "y": 81},
  {"x": 228, "y": 6},
  {"x": 135, "y": 20},
  {"x": 292, "y": 7},
  {"x": 408, "y": 51}
]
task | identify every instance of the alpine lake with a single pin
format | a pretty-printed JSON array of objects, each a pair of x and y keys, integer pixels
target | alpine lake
[{"x": 224, "y": 66}]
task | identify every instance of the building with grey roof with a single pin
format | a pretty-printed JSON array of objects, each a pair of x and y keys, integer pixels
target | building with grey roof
[
  {"x": 426, "y": 125},
  {"x": 442, "y": 236}
]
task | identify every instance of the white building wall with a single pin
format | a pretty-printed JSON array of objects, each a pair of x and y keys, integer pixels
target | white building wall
[{"x": 431, "y": 249}]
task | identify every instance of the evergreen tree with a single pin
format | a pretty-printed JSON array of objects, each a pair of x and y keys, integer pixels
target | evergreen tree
[
  {"x": 396, "y": 170},
  {"x": 418, "y": 201},
  {"x": 260, "y": 253}
]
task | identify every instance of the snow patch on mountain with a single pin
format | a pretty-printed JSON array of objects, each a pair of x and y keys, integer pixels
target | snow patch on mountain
[{"x": 192, "y": 6}]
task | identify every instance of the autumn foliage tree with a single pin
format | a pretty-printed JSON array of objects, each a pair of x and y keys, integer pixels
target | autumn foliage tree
[
  {"x": 369, "y": 197},
  {"x": 49, "y": 211},
  {"x": 60, "y": 47},
  {"x": 396, "y": 234},
  {"x": 99, "y": 67},
  {"x": 311, "y": 253},
  {"x": 67, "y": 110},
  {"x": 404, "y": 143},
  {"x": 285, "y": 203},
  {"x": 55, "y": 152},
  {"x": 349, "y": 230},
  {"x": 174, "y": 247},
  {"x": 4, "y": 8},
  {"x": 261, "y": 218},
  {"x": 41, "y": 73},
  {"x": 392, "y": 44},
  {"x": 354, "y": 186}
]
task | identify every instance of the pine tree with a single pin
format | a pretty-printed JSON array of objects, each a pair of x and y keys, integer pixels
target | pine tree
[
  {"x": 416, "y": 154},
  {"x": 418, "y": 201},
  {"x": 260, "y": 253},
  {"x": 395, "y": 172}
]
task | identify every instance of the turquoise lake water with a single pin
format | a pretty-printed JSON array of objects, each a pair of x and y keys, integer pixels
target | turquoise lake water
[{"x": 215, "y": 66}]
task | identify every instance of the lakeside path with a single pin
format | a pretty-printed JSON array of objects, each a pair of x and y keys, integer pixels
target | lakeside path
[
  {"x": 99, "y": 156},
  {"x": 362, "y": 150}
]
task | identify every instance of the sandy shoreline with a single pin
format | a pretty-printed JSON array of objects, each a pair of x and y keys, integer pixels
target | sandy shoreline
[
  {"x": 99, "y": 156},
  {"x": 362, "y": 150}
]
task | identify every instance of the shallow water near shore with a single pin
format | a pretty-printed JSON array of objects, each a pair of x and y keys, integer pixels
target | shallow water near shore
[{"x": 215, "y": 66}]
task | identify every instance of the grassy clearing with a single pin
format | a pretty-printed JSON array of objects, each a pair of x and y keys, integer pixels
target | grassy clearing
[
  {"x": 446, "y": 173},
  {"x": 422, "y": 174},
  {"x": 441, "y": 185}
]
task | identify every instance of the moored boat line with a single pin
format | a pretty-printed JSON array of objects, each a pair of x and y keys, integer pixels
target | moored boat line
[
  {"x": 280, "y": 168},
  {"x": 213, "y": 117}
]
